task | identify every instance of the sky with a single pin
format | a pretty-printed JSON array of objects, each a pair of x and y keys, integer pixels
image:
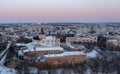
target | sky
[{"x": 59, "y": 10}]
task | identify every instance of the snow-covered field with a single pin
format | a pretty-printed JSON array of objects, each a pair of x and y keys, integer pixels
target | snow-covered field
[{"x": 5, "y": 70}]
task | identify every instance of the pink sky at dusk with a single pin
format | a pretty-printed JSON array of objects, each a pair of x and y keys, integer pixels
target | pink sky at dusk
[{"x": 60, "y": 10}]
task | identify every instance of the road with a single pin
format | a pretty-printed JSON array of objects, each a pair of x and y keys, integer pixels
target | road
[{"x": 3, "y": 54}]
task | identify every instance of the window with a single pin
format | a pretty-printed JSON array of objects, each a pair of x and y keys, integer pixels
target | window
[
  {"x": 90, "y": 40},
  {"x": 95, "y": 38}
]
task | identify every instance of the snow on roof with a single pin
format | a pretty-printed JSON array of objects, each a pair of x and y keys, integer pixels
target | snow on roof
[
  {"x": 49, "y": 38},
  {"x": 32, "y": 47},
  {"x": 91, "y": 54},
  {"x": 20, "y": 44},
  {"x": 78, "y": 45},
  {"x": 81, "y": 46},
  {"x": 112, "y": 41},
  {"x": 65, "y": 54},
  {"x": 43, "y": 49},
  {"x": 29, "y": 37},
  {"x": 70, "y": 46}
]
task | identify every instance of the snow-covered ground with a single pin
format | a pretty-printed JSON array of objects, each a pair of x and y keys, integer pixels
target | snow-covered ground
[
  {"x": 92, "y": 54},
  {"x": 5, "y": 70}
]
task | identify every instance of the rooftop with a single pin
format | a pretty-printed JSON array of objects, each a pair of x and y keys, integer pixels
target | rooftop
[
  {"x": 65, "y": 54},
  {"x": 32, "y": 47}
]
